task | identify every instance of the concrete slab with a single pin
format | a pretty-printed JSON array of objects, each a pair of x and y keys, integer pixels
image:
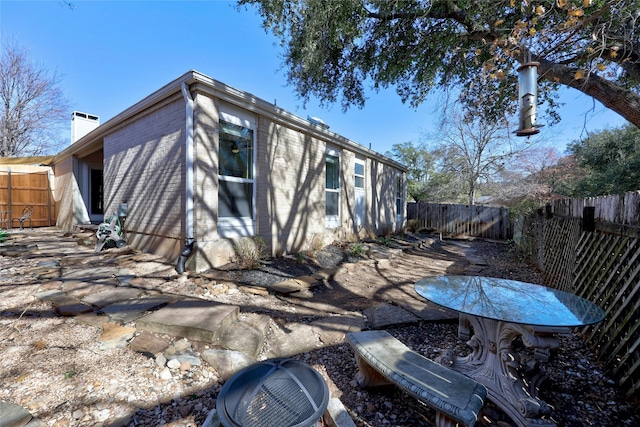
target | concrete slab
[
  {"x": 194, "y": 319},
  {"x": 111, "y": 296},
  {"x": 128, "y": 311}
]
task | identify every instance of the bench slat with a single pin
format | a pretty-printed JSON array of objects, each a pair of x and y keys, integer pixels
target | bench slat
[{"x": 446, "y": 391}]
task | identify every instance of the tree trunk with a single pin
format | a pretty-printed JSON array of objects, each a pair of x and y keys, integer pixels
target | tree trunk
[{"x": 622, "y": 101}]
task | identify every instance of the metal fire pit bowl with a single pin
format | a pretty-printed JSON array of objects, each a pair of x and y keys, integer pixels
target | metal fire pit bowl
[{"x": 276, "y": 392}]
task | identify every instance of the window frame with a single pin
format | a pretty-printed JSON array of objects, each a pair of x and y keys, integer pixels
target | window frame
[
  {"x": 359, "y": 212},
  {"x": 333, "y": 221},
  {"x": 229, "y": 226},
  {"x": 400, "y": 198}
]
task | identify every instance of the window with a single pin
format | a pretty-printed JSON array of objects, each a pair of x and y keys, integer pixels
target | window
[
  {"x": 359, "y": 194},
  {"x": 358, "y": 173},
  {"x": 399, "y": 198},
  {"x": 332, "y": 206},
  {"x": 235, "y": 179}
]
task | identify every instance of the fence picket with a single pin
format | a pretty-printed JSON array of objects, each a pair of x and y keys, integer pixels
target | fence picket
[
  {"x": 461, "y": 220},
  {"x": 604, "y": 268}
]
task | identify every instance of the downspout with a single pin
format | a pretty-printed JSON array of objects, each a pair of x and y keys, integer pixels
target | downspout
[{"x": 188, "y": 176}]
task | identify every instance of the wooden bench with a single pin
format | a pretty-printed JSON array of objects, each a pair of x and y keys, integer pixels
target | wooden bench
[{"x": 383, "y": 360}]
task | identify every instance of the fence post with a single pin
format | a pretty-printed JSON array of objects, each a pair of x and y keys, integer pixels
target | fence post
[
  {"x": 9, "y": 207},
  {"x": 589, "y": 218},
  {"x": 548, "y": 214}
]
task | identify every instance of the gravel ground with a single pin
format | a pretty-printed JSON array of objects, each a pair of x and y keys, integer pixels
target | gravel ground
[{"x": 55, "y": 367}]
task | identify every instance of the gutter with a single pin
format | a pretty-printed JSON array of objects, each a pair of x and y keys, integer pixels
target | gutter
[{"x": 189, "y": 239}]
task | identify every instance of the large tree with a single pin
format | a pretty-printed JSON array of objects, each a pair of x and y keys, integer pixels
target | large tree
[
  {"x": 476, "y": 150},
  {"x": 609, "y": 161},
  {"x": 421, "y": 164},
  {"x": 33, "y": 106},
  {"x": 334, "y": 49}
]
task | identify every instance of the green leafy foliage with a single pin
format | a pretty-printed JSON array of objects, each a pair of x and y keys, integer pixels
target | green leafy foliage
[
  {"x": 421, "y": 164},
  {"x": 334, "y": 49},
  {"x": 609, "y": 161},
  {"x": 358, "y": 249}
]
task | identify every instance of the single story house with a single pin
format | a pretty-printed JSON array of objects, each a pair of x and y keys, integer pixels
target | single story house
[{"x": 198, "y": 165}]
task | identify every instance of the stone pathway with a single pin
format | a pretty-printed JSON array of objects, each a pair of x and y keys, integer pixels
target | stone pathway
[{"x": 118, "y": 291}]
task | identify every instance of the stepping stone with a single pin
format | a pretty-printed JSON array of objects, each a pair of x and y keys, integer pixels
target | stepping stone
[
  {"x": 149, "y": 343},
  {"x": 90, "y": 274},
  {"x": 292, "y": 339},
  {"x": 385, "y": 315},
  {"x": 197, "y": 320},
  {"x": 333, "y": 329},
  {"x": 127, "y": 311},
  {"x": 76, "y": 309},
  {"x": 246, "y": 335},
  {"x": 81, "y": 289},
  {"x": 111, "y": 296},
  {"x": 91, "y": 318},
  {"x": 49, "y": 295},
  {"x": 13, "y": 415},
  {"x": 115, "y": 336},
  {"x": 227, "y": 362},
  {"x": 125, "y": 279},
  {"x": 294, "y": 285},
  {"x": 476, "y": 260}
]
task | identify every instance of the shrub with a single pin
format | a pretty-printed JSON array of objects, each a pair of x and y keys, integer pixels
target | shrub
[
  {"x": 249, "y": 252},
  {"x": 358, "y": 249},
  {"x": 3, "y": 235},
  {"x": 385, "y": 240}
]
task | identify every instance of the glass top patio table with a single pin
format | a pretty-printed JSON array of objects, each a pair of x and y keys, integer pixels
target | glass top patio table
[{"x": 509, "y": 301}]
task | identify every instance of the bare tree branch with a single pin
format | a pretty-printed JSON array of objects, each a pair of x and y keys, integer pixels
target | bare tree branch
[{"x": 32, "y": 105}]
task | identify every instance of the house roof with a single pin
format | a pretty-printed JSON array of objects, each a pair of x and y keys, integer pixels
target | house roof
[
  {"x": 30, "y": 160},
  {"x": 198, "y": 81}
]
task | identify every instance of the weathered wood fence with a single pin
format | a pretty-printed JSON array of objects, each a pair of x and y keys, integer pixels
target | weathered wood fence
[
  {"x": 591, "y": 247},
  {"x": 461, "y": 220},
  {"x": 21, "y": 189}
]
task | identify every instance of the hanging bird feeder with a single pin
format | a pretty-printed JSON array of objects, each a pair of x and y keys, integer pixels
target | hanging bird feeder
[{"x": 528, "y": 95}]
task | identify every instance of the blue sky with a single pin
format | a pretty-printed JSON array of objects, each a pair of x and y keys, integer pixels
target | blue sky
[{"x": 111, "y": 54}]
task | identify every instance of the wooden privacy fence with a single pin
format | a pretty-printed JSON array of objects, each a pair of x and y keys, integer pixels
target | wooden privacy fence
[
  {"x": 21, "y": 189},
  {"x": 604, "y": 268},
  {"x": 461, "y": 220}
]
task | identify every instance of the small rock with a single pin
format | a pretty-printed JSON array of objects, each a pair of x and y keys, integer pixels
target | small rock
[
  {"x": 165, "y": 374},
  {"x": 173, "y": 364},
  {"x": 161, "y": 361}
]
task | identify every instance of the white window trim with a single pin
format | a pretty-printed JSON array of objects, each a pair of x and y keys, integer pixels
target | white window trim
[
  {"x": 333, "y": 221},
  {"x": 243, "y": 226},
  {"x": 360, "y": 191},
  {"x": 402, "y": 198},
  {"x": 363, "y": 162}
]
